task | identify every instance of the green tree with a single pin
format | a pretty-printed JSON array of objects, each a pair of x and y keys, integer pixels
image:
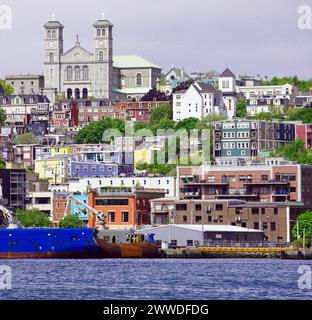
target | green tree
[
  {"x": 93, "y": 133},
  {"x": 304, "y": 226},
  {"x": 241, "y": 108},
  {"x": 8, "y": 90},
  {"x": 71, "y": 222},
  {"x": 26, "y": 138},
  {"x": 2, "y": 116},
  {"x": 188, "y": 124},
  {"x": 164, "y": 111},
  {"x": 33, "y": 218}
]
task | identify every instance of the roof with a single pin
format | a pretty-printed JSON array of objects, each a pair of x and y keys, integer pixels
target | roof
[
  {"x": 27, "y": 99},
  {"x": 227, "y": 73},
  {"x": 181, "y": 73},
  {"x": 102, "y": 24},
  {"x": 133, "y": 61},
  {"x": 206, "y": 228},
  {"x": 204, "y": 87},
  {"x": 53, "y": 24}
]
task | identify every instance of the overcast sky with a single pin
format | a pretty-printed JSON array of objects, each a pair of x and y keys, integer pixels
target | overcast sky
[{"x": 248, "y": 36}]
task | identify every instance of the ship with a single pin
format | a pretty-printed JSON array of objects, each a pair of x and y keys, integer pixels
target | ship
[
  {"x": 77, "y": 243},
  {"x": 125, "y": 244},
  {"x": 17, "y": 242}
]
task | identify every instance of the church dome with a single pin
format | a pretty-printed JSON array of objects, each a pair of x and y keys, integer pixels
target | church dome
[
  {"x": 102, "y": 24},
  {"x": 53, "y": 24}
]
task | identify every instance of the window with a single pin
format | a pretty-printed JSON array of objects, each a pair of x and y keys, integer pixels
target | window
[
  {"x": 103, "y": 32},
  {"x": 185, "y": 219},
  {"x": 139, "y": 80},
  {"x": 189, "y": 243},
  {"x": 198, "y": 207},
  {"x": 256, "y": 225},
  {"x": 265, "y": 225},
  {"x": 111, "y": 216},
  {"x": 77, "y": 73},
  {"x": 220, "y": 218},
  {"x": 125, "y": 216},
  {"x": 101, "y": 56},
  {"x": 262, "y": 210},
  {"x": 198, "y": 218},
  {"x": 69, "y": 73},
  {"x": 98, "y": 32},
  {"x": 255, "y": 210},
  {"x": 273, "y": 226},
  {"x": 51, "y": 57},
  {"x": 275, "y": 210},
  {"x": 181, "y": 207},
  {"x": 85, "y": 73},
  {"x": 219, "y": 207},
  {"x": 264, "y": 177},
  {"x": 53, "y": 34}
]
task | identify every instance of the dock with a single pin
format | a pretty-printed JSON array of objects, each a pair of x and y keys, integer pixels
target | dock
[{"x": 237, "y": 252}]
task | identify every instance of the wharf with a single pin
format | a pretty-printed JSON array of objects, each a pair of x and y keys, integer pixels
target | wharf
[{"x": 237, "y": 252}]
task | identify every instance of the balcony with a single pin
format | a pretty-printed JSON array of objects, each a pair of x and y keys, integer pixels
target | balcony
[
  {"x": 208, "y": 183},
  {"x": 267, "y": 182},
  {"x": 192, "y": 195}
]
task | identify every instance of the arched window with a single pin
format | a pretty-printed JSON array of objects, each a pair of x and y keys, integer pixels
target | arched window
[
  {"x": 49, "y": 33},
  {"x": 85, "y": 73},
  {"x": 101, "y": 56},
  {"x": 69, "y": 93},
  {"x": 84, "y": 93},
  {"x": 77, "y": 73},
  {"x": 51, "y": 57},
  {"x": 53, "y": 34},
  {"x": 103, "y": 32},
  {"x": 98, "y": 32},
  {"x": 77, "y": 93},
  {"x": 139, "y": 79},
  {"x": 101, "y": 74},
  {"x": 69, "y": 73}
]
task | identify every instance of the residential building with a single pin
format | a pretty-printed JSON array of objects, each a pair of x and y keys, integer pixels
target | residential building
[
  {"x": 13, "y": 188},
  {"x": 198, "y": 101},
  {"x": 65, "y": 114},
  {"x": 260, "y": 195},
  {"x": 24, "y": 154},
  {"x": 92, "y": 169},
  {"x": 60, "y": 207},
  {"x": 250, "y": 138},
  {"x": 29, "y": 84},
  {"x": 227, "y": 85},
  {"x": 41, "y": 200},
  {"x": 304, "y": 132}
]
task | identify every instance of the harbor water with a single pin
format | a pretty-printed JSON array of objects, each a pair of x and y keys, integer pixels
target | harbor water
[{"x": 161, "y": 279}]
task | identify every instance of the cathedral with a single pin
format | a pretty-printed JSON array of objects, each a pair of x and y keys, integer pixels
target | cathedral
[{"x": 79, "y": 73}]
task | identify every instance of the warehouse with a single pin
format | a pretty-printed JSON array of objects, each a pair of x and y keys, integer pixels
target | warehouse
[{"x": 192, "y": 235}]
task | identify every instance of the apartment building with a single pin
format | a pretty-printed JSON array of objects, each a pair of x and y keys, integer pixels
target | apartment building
[
  {"x": 250, "y": 138},
  {"x": 304, "y": 133},
  {"x": 259, "y": 195}
]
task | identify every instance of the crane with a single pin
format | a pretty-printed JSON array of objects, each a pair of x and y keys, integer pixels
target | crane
[
  {"x": 97, "y": 214},
  {"x": 9, "y": 216}
]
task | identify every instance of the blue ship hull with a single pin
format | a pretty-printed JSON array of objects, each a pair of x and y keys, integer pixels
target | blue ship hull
[{"x": 48, "y": 244}]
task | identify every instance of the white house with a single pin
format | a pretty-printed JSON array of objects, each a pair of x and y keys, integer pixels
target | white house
[
  {"x": 198, "y": 101},
  {"x": 227, "y": 85}
]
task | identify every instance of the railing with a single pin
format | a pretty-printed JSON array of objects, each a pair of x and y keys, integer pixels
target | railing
[{"x": 244, "y": 244}]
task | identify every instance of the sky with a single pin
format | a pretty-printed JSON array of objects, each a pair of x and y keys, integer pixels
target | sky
[{"x": 248, "y": 36}]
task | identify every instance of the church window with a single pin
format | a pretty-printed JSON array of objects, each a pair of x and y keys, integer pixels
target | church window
[
  {"x": 139, "y": 79},
  {"x": 101, "y": 56},
  {"x": 53, "y": 34},
  {"x": 49, "y": 33},
  {"x": 85, "y": 73},
  {"x": 69, "y": 73},
  {"x": 103, "y": 32},
  {"x": 77, "y": 73},
  {"x": 98, "y": 32},
  {"x": 101, "y": 74},
  {"x": 51, "y": 57}
]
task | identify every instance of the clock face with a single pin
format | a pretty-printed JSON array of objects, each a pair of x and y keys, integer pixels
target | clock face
[
  {"x": 51, "y": 44},
  {"x": 101, "y": 43}
]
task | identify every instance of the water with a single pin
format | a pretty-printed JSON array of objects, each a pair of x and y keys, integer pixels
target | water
[{"x": 155, "y": 279}]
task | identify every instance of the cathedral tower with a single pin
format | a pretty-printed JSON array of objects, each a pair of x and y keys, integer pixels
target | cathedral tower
[
  {"x": 53, "y": 42},
  {"x": 103, "y": 55}
]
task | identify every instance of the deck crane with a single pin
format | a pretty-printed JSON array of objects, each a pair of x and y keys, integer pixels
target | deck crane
[
  {"x": 9, "y": 216},
  {"x": 98, "y": 215}
]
